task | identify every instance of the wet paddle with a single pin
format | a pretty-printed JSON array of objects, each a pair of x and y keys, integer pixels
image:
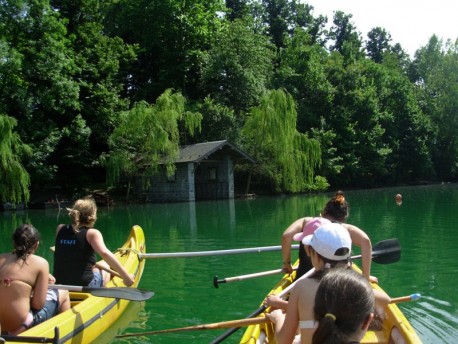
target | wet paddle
[
  {"x": 212, "y": 253},
  {"x": 126, "y": 293},
  {"x": 213, "y": 326},
  {"x": 386, "y": 252}
]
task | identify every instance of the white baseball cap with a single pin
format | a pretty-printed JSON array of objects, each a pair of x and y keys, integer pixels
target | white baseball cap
[{"x": 327, "y": 239}]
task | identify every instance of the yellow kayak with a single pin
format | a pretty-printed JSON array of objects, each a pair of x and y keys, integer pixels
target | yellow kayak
[
  {"x": 396, "y": 329},
  {"x": 90, "y": 315}
]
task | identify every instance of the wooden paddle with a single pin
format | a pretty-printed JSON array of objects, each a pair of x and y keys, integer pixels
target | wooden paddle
[
  {"x": 213, "y": 326},
  {"x": 386, "y": 252},
  {"x": 212, "y": 253},
  {"x": 30, "y": 339},
  {"x": 126, "y": 293},
  {"x": 413, "y": 297},
  {"x": 237, "y": 323}
]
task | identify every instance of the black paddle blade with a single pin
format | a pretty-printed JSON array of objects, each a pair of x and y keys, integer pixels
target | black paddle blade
[
  {"x": 386, "y": 251},
  {"x": 126, "y": 293}
]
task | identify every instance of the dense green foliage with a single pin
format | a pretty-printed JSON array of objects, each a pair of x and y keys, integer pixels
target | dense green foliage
[
  {"x": 14, "y": 179},
  {"x": 146, "y": 136},
  {"x": 74, "y": 73}
]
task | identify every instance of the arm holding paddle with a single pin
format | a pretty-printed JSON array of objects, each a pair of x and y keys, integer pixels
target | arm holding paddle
[
  {"x": 287, "y": 239},
  {"x": 95, "y": 239},
  {"x": 362, "y": 240}
]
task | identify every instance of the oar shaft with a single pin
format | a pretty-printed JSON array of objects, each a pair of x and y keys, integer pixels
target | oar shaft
[
  {"x": 107, "y": 269},
  {"x": 212, "y": 253},
  {"x": 213, "y": 326},
  {"x": 257, "y": 274},
  {"x": 413, "y": 297}
]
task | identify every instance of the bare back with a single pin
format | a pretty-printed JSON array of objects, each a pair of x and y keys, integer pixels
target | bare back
[{"x": 17, "y": 281}]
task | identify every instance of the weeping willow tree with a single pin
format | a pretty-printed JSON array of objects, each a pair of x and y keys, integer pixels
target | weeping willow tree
[
  {"x": 285, "y": 157},
  {"x": 14, "y": 179},
  {"x": 148, "y": 135}
]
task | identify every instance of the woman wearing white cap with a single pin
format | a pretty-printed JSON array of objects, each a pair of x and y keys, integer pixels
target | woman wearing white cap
[
  {"x": 329, "y": 247},
  {"x": 335, "y": 210}
]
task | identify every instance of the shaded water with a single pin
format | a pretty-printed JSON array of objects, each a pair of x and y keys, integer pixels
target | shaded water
[{"x": 185, "y": 296}]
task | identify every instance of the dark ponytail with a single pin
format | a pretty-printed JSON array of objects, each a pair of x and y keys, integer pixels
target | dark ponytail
[
  {"x": 336, "y": 208},
  {"x": 24, "y": 239}
]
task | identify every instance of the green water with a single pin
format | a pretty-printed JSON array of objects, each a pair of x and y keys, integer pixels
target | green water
[{"x": 425, "y": 225}]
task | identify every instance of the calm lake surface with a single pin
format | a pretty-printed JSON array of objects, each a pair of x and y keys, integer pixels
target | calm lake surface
[{"x": 425, "y": 224}]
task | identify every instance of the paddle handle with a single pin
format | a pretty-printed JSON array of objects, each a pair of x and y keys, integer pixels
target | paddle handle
[
  {"x": 233, "y": 329},
  {"x": 107, "y": 269},
  {"x": 413, "y": 297}
]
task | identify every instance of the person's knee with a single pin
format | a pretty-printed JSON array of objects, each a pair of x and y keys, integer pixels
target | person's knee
[{"x": 64, "y": 301}]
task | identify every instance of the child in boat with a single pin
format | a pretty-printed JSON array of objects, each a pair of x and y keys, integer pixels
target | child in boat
[
  {"x": 76, "y": 246},
  {"x": 335, "y": 210},
  {"x": 329, "y": 248},
  {"x": 25, "y": 299},
  {"x": 344, "y": 307}
]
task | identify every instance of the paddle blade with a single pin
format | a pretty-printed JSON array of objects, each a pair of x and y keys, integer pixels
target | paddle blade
[
  {"x": 132, "y": 294},
  {"x": 386, "y": 251}
]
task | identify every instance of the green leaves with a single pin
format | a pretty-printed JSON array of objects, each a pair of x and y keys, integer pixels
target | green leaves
[
  {"x": 285, "y": 156},
  {"x": 148, "y": 135},
  {"x": 14, "y": 179}
]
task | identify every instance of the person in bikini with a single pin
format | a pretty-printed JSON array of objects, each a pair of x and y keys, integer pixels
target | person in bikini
[
  {"x": 76, "y": 246},
  {"x": 25, "y": 299}
]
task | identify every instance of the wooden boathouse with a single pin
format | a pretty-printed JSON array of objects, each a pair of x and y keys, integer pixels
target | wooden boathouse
[{"x": 204, "y": 171}]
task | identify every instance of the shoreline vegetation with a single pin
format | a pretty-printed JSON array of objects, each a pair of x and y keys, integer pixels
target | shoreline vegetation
[{"x": 106, "y": 197}]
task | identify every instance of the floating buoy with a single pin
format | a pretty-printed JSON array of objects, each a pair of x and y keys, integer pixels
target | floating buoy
[{"x": 398, "y": 199}]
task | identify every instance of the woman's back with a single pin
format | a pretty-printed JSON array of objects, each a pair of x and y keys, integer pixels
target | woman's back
[{"x": 17, "y": 280}]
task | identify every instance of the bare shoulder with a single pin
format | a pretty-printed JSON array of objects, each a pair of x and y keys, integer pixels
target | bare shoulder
[
  {"x": 305, "y": 285},
  {"x": 38, "y": 261},
  {"x": 93, "y": 234}
]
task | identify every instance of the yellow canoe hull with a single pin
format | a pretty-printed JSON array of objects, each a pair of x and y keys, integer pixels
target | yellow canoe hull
[
  {"x": 396, "y": 328},
  {"x": 90, "y": 316}
]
